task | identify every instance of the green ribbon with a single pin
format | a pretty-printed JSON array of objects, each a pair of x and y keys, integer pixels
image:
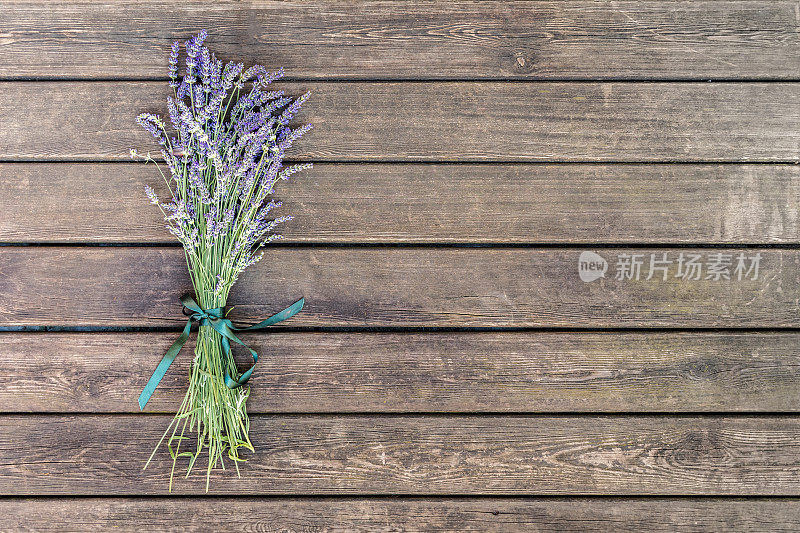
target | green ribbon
[{"x": 215, "y": 319}]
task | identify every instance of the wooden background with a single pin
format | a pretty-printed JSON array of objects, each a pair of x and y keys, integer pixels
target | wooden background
[{"x": 450, "y": 370}]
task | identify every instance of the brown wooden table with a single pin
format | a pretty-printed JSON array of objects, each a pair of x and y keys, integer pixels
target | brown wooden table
[{"x": 452, "y": 369}]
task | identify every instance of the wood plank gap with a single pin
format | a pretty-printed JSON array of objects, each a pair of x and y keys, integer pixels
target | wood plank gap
[
  {"x": 322, "y": 245},
  {"x": 436, "y": 414},
  {"x": 410, "y": 80},
  {"x": 43, "y": 330},
  {"x": 466, "y": 496}
]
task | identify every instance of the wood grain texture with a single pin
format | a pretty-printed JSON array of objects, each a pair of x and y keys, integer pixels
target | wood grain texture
[
  {"x": 447, "y": 121},
  {"x": 485, "y": 515},
  {"x": 416, "y": 455},
  {"x": 440, "y": 203},
  {"x": 401, "y": 96},
  {"x": 449, "y": 287},
  {"x": 337, "y": 39},
  {"x": 430, "y": 372}
]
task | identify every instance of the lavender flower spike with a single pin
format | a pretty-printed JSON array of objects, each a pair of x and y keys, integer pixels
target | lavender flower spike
[
  {"x": 173, "y": 64},
  {"x": 151, "y": 194}
]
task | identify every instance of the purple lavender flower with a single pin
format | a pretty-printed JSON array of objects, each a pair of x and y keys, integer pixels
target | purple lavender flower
[
  {"x": 173, "y": 64},
  {"x": 288, "y": 171},
  {"x": 270, "y": 77},
  {"x": 252, "y": 72},
  {"x": 154, "y": 125},
  {"x": 224, "y": 153},
  {"x": 292, "y": 110},
  {"x": 151, "y": 194}
]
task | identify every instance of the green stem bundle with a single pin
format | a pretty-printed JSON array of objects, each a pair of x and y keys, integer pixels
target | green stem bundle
[{"x": 216, "y": 413}]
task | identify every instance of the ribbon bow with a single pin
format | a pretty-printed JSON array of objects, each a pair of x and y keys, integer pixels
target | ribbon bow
[{"x": 215, "y": 319}]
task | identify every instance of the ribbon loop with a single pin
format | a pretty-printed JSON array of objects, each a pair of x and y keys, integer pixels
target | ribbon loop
[{"x": 216, "y": 319}]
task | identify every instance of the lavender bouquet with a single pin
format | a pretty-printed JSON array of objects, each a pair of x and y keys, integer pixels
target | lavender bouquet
[{"x": 223, "y": 153}]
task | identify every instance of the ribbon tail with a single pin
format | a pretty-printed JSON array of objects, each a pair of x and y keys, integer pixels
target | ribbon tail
[
  {"x": 162, "y": 367},
  {"x": 277, "y": 317},
  {"x": 225, "y": 328},
  {"x": 228, "y": 325},
  {"x": 229, "y": 381}
]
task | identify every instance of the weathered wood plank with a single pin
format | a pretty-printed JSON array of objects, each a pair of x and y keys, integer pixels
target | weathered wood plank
[
  {"x": 466, "y": 455},
  {"x": 343, "y": 203},
  {"x": 431, "y": 372},
  {"x": 399, "y": 514},
  {"x": 447, "y": 121},
  {"x": 518, "y": 40},
  {"x": 456, "y": 287}
]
